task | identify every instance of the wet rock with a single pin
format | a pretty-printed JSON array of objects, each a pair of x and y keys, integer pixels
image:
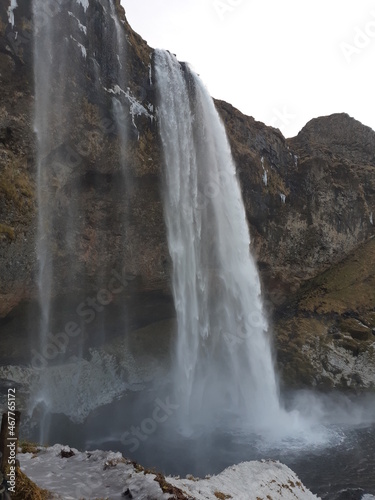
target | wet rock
[{"x": 67, "y": 453}]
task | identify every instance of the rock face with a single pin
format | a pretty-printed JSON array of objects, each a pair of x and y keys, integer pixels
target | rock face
[
  {"x": 17, "y": 159},
  {"x": 308, "y": 204},
  {"x": 84, "y": 160},
  {"x": 326, "y": 334},
  {"x": 310, "y": 200},
  {"x": 315, "y": 250}
]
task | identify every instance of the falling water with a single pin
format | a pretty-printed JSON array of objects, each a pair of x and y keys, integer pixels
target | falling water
[
  {"x": 50, "y": 58},
  {"x": 119, "y": 113},
  {"x": 50, "y": 123},
  {"x": 64, "y": 55},
  {"x": 223, "y": 362}
]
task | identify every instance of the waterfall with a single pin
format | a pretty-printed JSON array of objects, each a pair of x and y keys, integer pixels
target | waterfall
[
  {"x": 223, "y": 366},
  {"x": 50, "y": 122},
  {"x": 71, "y": 67}
]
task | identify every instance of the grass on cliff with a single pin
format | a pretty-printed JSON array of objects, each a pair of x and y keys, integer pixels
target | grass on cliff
[
  {"x": 7, "y": 231},
  {"x": 335, "y": 307},
  {"x": 291, "y": 336},
  {"x": 16, "y": 186},
  {"x": 348, "y": 286},
  {"x": 17, "y": 195}
]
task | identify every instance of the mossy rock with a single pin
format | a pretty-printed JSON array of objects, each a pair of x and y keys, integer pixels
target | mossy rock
[
  {"x": 7, "y": 231},
  {"x": 348, "y": 286},
  {"x": 16, "y": 187}
]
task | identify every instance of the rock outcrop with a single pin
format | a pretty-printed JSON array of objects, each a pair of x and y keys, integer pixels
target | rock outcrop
[
  {"x": 310, "y": 202},
  {"x": 326, "y": 334}
]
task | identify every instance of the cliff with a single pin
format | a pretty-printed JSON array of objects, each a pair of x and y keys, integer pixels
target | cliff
[
  {"x": 310, "y": 205},
  {"x": 309, "y": 200}
]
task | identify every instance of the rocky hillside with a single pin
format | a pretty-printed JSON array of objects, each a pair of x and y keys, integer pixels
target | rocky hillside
[
  {"x": 310, "y": 201},
  {"x": 326, "y": 334},
  {"x": 310, "y": 205}
]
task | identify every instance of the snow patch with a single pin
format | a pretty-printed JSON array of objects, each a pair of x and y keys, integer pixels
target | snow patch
[
  {"x": 295, "y": 160},
  {"x": 95, "y": 474},
  {"x": 21, "y": 376},
  {"x": 84, "y": 3},
  {"x": 362, "y": 324},
  {"x": 265, "y": 479},
  {"x": 96, "y": 382},
  {"x": 371, "y": 219},
  {"x": 79, "y": 386},
  {"x": 80, "y": 25},
  {"x": 265, "y": 177},
  {"x": 82, "y": 47},
  {"x": 13, "y": 5},
  {"x": 342, "y": 364},
  {"x": 136, "y": 108},
  {"x": 282, "y": 198}
]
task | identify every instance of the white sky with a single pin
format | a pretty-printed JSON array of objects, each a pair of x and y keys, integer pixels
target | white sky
[{"x": 281, "y": 61}]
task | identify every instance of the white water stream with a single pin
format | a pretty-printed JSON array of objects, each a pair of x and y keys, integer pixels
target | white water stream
[{"x": 223, "y": 363}]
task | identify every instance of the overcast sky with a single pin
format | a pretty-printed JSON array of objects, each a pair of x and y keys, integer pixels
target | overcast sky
[{"x": 281, "y": 61}]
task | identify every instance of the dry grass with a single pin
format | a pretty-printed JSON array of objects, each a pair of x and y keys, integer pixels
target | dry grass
[
  {"x": 350, "y": 285},
  {"x": 222, "y": 496},
  {"x": 338, "y": 307},
  {"x": 27, "y": 490},
  {"x": 7, "y": 231},
  {"x": 28, "y": 447},
  {"x": 168, "y": 488},
  {"x": 16, "y": 186}
]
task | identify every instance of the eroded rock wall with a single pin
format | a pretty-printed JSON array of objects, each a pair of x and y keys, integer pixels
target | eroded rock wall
[{"x": 310, "y": 200}]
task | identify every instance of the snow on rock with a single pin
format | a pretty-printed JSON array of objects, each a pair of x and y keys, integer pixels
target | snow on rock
[
  {"x": 248, "y": 480},
  {"x": 80, "y": 25},
  {"x": 84, "y": 3},
  {"x": 96, "y": 380},
  {"x": 99, "y": 379},
  {"x": 99, "y": 474},
  {"x": 136, "y": 108},
  {"x": 341, "y": 364},
  {"x": 12, "y": 6},
  {"x": 265, "y": 178},
  {"x": 21, "y": 377},
  {"x": 89, "y": 475},
  {"x": 17, "y": 374},
  {"x": 82, "y": 47}
]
